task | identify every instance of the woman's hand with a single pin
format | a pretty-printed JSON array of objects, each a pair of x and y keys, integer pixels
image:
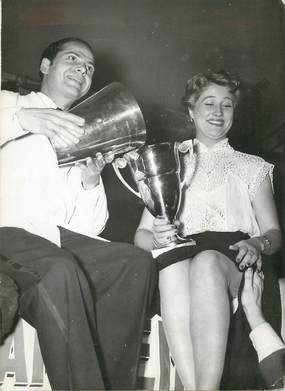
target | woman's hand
[
  {"x": 249, "y": 253},
  {"x": 163, "y": 232},
  {"x": 61, "y": 127},
  {"x": 91, "y": 170}
]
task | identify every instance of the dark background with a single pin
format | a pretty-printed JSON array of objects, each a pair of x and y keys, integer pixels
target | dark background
[{"x": 153, "y": 47}]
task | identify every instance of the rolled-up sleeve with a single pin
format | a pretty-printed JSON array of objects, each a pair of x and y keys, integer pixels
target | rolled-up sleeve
[
  {"x": 10, "y": 128},
  {"x": 87, "y": 211}
]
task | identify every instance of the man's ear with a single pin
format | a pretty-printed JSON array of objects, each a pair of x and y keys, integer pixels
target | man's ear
[{"x": 44, "y": 67}]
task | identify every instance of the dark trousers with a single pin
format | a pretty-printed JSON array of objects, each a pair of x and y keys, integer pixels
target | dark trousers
[{"x": 88, "y": 302}]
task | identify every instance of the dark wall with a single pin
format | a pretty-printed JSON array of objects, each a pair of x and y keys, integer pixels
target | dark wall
[{"x": 153, "y": 47}]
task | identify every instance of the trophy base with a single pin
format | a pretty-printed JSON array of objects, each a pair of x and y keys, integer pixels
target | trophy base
[{"x": 156, "y": 252}]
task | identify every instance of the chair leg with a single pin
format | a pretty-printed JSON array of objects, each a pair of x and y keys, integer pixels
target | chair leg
[{"x": 282, "y": 294}]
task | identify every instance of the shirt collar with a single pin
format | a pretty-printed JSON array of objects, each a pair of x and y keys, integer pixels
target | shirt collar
[
  {"x": 219, "y": 146},
  {"x": 46, "y": 100}
]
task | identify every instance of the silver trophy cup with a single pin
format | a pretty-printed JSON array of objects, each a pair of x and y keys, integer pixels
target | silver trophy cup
[
  {"x": 156, "y": 172},
  {"x": 113, "y": 123}
]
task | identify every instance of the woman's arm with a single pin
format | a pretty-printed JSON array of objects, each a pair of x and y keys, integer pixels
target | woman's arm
[
  {"x": 154, "y": 232},
  {"x": 267, "y": 218},
  {"x": 270, "y": 240},
  {"x": 143, "y": 235}
]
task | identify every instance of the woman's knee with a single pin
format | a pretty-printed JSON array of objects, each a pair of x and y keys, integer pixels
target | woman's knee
[{"x": 208, "y": 264}]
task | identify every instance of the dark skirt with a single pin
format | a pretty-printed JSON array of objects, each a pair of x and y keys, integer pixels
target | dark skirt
[
  {"x": 241, "y": 369},
  {"x": 209, "y": 240}
]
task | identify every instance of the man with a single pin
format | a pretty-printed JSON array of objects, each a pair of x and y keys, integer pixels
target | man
[
  {"x": 86, "y": 298},
  {"x": 268, "y": 345}
]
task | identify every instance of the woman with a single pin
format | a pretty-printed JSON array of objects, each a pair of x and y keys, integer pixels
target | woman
[{"x": 228, "y": 200}]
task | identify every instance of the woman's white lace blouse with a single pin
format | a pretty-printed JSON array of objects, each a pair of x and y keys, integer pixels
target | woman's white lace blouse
[{"x": 220, "y": 185}]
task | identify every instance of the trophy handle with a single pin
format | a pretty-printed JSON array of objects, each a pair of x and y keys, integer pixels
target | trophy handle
[
  {"x": 184, "y": 147},
  {"x": 122, "y": 179}
]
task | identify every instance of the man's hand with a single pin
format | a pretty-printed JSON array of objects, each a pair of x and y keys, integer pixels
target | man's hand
[
  {"x": 122, "y": 162},
  {"x": 251, "y": 297},
  {"x": 249, "y": 253},
  {"x": 92, "y": 168},
  {"x": 61, "y": 127}
]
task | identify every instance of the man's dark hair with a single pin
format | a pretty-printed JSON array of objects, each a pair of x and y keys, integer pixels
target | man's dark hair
[{"x": 53, "y": 48}]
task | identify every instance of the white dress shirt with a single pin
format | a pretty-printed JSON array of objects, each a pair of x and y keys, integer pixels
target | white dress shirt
[{"x": 35, "y": 194}]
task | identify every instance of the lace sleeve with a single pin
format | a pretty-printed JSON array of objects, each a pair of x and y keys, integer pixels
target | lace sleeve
[
  {"x": 262, "y": 170},
  {"x": 252, "y": 170}
]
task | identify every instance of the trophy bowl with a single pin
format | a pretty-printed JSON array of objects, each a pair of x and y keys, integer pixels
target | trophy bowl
[{"x": 156, "y": 171}]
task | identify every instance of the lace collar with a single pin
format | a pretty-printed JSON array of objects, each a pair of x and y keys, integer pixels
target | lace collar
[{"x": 222, "y": 145}]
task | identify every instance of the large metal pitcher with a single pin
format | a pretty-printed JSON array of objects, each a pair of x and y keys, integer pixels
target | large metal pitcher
[{"x": 113, "y": 123}]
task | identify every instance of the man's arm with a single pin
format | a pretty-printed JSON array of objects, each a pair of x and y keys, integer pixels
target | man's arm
[
  {"x": 272, "y": 368},
  {"x": 10, "y": 128},
  {"x": 268, "y": 345},
  {"x": 90, "y": 212},
  {"x": 20, "y": 116}
]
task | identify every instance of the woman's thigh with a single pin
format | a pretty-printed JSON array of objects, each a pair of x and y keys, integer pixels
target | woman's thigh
[
  {"x": 175, "y": 278},
  {"x": 174, "y": 289}
]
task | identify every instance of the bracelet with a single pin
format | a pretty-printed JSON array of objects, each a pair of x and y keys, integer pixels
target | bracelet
[{"x": 266, "y": 244}]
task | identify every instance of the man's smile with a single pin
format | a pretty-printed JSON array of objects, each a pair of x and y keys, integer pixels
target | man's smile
[{"x": 77, "y": 79}]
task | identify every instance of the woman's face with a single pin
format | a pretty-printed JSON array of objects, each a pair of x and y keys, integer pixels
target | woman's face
[{"x": 213, "y": 114}]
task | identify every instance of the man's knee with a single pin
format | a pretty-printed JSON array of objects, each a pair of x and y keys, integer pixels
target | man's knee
[
  {"x": 139, "y": 260},
  {"x": 61, "y": 269},
  {"x": 137, "y": 270}
]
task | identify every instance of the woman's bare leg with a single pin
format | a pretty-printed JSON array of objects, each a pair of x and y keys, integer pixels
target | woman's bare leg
[
  {"x": 175, "y": 312},
  {"x": 209, "y": 279}
]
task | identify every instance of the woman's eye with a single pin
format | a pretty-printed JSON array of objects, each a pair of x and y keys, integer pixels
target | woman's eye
[
  {"x": 209, "y": 104},
  {"x": 72, "y": 57}
]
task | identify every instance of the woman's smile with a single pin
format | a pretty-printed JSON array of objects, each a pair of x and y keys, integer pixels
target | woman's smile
[{"x": 213, "y": 114}]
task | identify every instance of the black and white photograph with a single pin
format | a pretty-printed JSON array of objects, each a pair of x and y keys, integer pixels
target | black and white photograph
[{"x": 142, "y": 195}]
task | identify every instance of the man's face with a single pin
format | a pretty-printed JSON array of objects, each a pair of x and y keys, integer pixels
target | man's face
[{"x": 68, "y": 77}]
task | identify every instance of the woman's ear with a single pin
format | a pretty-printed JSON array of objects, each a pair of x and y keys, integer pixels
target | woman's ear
[
  {"x": 44, "y": 67},
  {"x": 190, "y": 112}
]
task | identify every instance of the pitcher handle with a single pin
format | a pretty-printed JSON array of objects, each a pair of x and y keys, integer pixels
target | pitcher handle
[{"x": 122, "y": 179}]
